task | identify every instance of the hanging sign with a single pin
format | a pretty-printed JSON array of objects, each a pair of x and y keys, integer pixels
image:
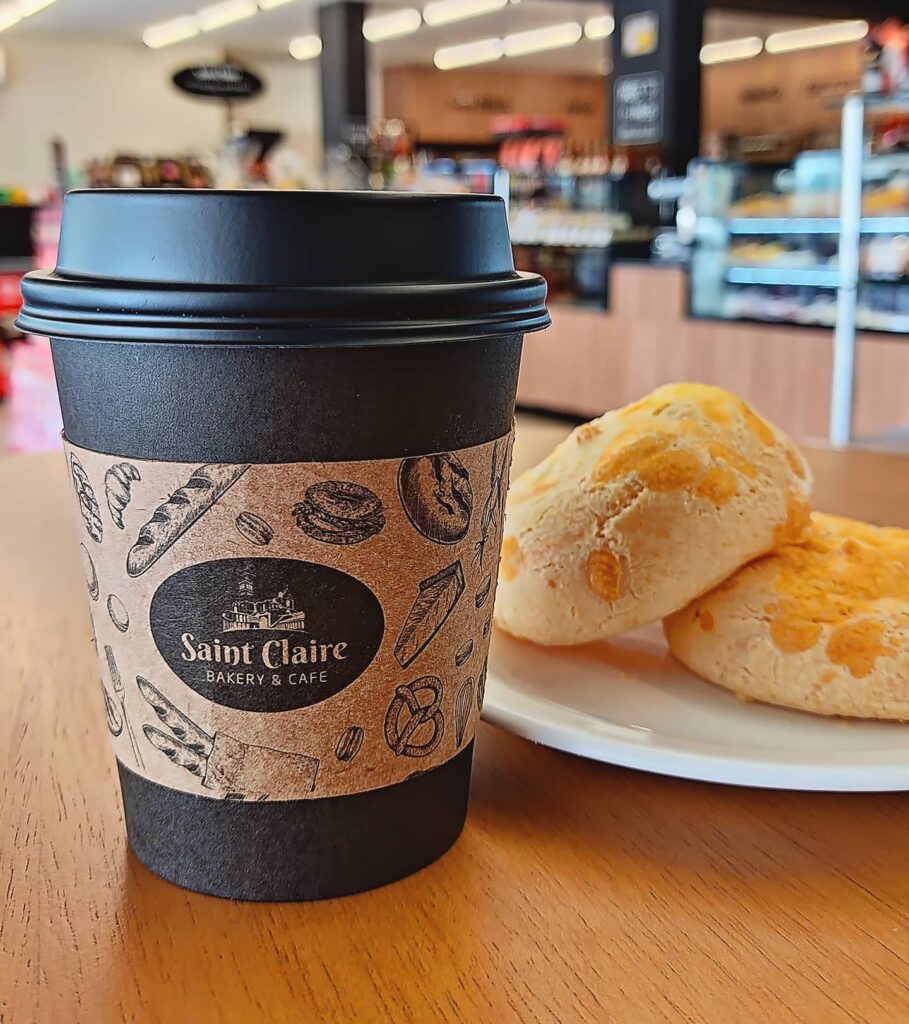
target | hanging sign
[
  {"x": 218, "y": 81},
  {"x": 640, "y": 34},
  {"x": 637, "y": 117}
]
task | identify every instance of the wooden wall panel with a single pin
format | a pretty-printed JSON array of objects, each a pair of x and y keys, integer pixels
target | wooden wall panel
[
  {"x": 790, "y": 94},
  {"x": 782, "y": 94},
  {"x": 591, "y": 360},
  {"x": 458, "y": 106}
]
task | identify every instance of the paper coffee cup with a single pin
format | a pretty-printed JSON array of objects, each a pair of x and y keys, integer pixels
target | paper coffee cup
[{"x": 288, "y": 422}]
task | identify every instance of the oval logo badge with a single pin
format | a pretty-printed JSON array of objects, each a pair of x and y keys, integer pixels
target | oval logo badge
[{"x": 266, "y": 634}]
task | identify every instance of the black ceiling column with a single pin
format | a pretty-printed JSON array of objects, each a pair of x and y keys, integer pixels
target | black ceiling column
[
  {"x": 656, "y": 81},
  {"x": 343, "y": 71}
]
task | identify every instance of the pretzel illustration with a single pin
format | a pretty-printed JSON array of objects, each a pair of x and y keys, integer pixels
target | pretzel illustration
[{"x": 414, "y": 726}]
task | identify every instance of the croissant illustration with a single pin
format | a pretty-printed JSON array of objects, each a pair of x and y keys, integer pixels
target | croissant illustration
[{"x": 118, "y": 481}]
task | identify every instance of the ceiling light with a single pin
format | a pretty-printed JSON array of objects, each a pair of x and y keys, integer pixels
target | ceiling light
[
  {"x": 817, "y": 35},
  {"x": 225, "y": 13},
  {"x": 443, "y": 12},
  {"x": 29, "y": 7},
  {"x": 731, "y": 49},
  {"x": 538, "y": 39},
  {"x": 481, "y": 52},
  {"x": 392, "y": 25},
  {"x": 9, "y": 16},
  {"x": 169, "y": 32},
  {"x": 305, "y": 47},
  {"x": 599, "y": 28},
  {"x": 269, "y": 5}
]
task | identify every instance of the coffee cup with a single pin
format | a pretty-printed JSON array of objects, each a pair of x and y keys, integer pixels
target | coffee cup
[{"x": 288, "y": 422}]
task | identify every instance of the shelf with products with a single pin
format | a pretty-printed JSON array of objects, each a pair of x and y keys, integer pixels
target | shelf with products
[
  {"x": 573, "y": 206},
  {"x": 878, "y": 225},
  {"x": 586, "y": 218},
  {"x": 767, "y": 245}
]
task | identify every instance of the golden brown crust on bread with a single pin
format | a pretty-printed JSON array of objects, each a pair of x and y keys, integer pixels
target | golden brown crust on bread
[
  {"x": 641, "y": 510},
  {"x": 821, "y": 625}
]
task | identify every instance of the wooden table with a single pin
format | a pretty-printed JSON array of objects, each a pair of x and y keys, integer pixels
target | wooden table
[{"x": 578, "y": 892}]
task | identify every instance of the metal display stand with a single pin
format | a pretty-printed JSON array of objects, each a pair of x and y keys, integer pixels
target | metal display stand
[{"x": 852, "y": 227}]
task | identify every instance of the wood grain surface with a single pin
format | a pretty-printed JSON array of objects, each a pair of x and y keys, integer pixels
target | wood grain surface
[{"x": 578, "y": 892}]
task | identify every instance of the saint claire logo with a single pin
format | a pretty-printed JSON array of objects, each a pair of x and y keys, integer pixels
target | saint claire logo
[{"x": 266, "y": 634}]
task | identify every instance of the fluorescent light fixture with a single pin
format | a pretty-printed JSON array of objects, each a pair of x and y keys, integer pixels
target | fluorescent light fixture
[
  {"x": 305, "y": 47},
  {"x": 817, "y": 35},
  {"x": 168, "y": 32},
  {"x": 443, "y": 12},
  {"x": 9, "y": 16},
  {"x": 270, "y": 5},
  {"x": 480, "y": 52},
  {"x": 392, "y": 25},
  {"x": 29, "y": 7},
  {"x": 599, "y": 28},
  {"x": 731, "y": 49},
  {"x": 225, "y": 13},
  {"x": 538, "y": 39}
]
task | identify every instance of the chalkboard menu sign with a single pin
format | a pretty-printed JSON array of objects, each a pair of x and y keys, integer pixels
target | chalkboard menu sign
[
  {"x": 638, "y": 109},
  {"x": 219, "y": 81}
]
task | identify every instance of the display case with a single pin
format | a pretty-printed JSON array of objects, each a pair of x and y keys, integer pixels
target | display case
[
  {"x": 570, "y": 223},
  {"x": 767, "y": 242}
]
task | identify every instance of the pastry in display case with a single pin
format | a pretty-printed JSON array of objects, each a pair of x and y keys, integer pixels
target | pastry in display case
[{"x": 769, "y": 251}]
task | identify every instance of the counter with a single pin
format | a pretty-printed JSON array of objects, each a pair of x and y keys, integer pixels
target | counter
[{"x": 595, "y": 359}]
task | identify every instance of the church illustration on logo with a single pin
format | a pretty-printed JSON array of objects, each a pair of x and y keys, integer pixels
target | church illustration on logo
[{"x": 273, "y": 613}]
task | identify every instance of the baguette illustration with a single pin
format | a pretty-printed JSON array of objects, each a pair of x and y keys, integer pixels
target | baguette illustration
[
  {"x": 183, "y": 508},
  {"x": 182, "y": 727},
  {"x": 88, "y": 503},
  {"x": 435, "y": 602},
  {"x": 229, "y": 768}
]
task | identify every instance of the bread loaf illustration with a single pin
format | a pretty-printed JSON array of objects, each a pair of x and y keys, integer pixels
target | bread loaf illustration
[
  {"x": 437, "y": 497},
  {"x": 88, "y": 503},
  {"x": 184, "y": 507}
]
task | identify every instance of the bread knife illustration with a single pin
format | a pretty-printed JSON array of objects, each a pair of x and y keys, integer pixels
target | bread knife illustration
[
  {"x": 117, "y": 681},
  {"x": 230, "y": 768}
]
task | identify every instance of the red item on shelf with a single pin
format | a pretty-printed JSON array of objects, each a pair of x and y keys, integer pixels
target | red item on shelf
[
  {"x": 4, "y": 375},
  {"x": 10, "y": 296}
]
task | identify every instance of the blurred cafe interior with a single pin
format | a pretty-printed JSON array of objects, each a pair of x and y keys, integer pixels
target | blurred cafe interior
[{"x": 676, "y": 179}]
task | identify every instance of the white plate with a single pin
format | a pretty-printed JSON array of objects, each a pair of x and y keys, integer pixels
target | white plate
[{"x": 630, "y": 703}]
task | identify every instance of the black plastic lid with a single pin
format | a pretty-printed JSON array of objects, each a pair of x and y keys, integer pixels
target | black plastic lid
[{"x": 308, "y": 268}]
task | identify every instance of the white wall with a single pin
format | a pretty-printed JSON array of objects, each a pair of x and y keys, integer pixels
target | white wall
[{"x": 103, "y": 97}]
